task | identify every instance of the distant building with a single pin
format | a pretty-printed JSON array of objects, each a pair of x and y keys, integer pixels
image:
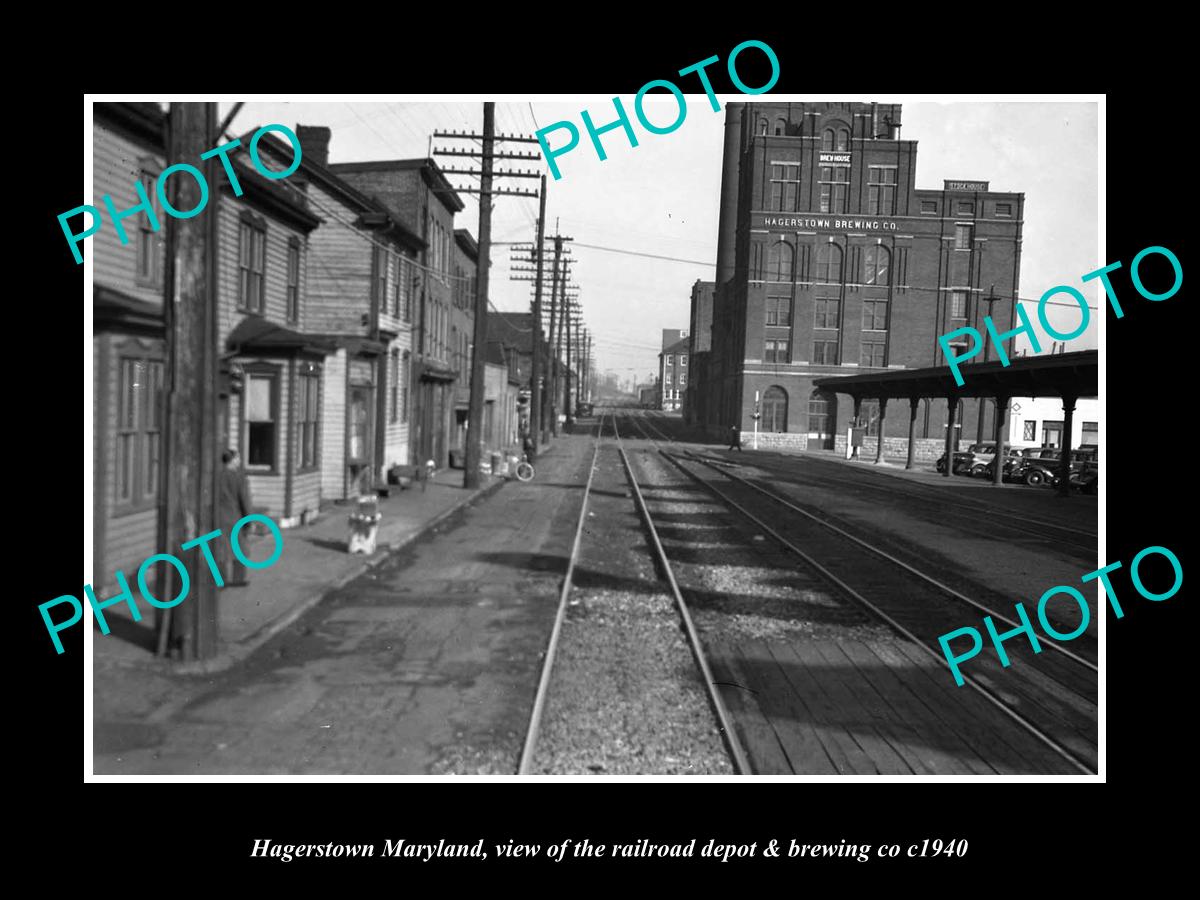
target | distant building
[
  {"x": 695, "y": 395},
  {"x": 673, "y": 368},
  {"x": 1038, "y": 422}
]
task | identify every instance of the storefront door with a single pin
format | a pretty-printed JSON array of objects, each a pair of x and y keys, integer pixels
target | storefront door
[{"x": 360, "y": 433}]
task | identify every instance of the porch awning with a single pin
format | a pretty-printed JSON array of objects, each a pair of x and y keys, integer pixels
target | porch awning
[{"x": 256, "y": 335}]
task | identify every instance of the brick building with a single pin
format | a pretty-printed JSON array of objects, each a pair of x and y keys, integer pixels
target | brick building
[
  {"x": 831, "y": 260},
  {"x": 700, "y": 327},
  {"x": 673, "y": 368}
]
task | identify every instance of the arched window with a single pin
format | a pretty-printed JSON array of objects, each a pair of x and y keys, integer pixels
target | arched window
[
  {"x": 822, "y": 415},
  {"x": 781, "y": 126},
  {"x": 774, "y": 410},
  {"x": 781, "y": 262},
  {"x": 827, "y": 139},
  {"x": 829, "y": 264},
  {"x": 763, "y": 126},
  {"x": 843, "y": 139},
  {"x": 878, "y": 266}
]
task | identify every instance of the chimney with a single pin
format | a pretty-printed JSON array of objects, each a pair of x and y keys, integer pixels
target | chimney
[{"x": 314, "y": 143}]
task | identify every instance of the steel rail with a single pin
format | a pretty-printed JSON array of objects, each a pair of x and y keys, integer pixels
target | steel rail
[
  {"x": 871, "y": 482},
  {"x": 1050, "y": 742},
  {"x": 539, "y": 701},
  {"x": 946, "y": 589},
  {"x": 741, "y": 762}
]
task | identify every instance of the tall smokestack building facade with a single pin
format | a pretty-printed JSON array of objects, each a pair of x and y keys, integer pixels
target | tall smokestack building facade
[{"x": 831, "y": 261}]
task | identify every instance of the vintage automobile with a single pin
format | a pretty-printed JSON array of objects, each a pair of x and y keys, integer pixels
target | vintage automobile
[
  {"x": 1012, "y": 460},
  {"x": 1043, "y": 468},
  {"x": 963, "y": 459},
  {"x": 1085, "y": 479}
]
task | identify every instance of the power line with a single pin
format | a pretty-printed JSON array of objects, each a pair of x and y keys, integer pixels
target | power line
[{"x": 649, "y": 255}]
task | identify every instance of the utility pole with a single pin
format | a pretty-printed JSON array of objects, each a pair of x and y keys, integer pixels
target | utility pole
[
  {"x": 190, "y": 452},
  {"x": 535, "y": 387},
  {"x": 570, "y": 317},
  {"x": 559, "y": 285},
  {"x": 474, "y": 448},
  {"x": 479, "y": 350},
  {"x": 553, "y": 372},
  {"x": 564, "y": 310}
]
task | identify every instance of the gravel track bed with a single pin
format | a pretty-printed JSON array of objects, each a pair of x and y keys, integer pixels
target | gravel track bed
[
  {"x": 741, "y": 584},
  {"x": 625, "y": 695}
]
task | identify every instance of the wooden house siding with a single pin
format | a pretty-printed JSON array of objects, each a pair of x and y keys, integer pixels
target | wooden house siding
[
  {"x": 275, "y": 270},
  {"x": 333, "y": 428},
  {"x": 116, "y": 169},
  {"x": 340, "y": 284}
]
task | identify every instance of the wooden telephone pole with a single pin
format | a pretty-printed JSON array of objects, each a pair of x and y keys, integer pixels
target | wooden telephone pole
[
  {"x": 190, "y": 453},
  {"x": 479, "y": 350},
  {"x": 521, "y": 270},
  {"x": 474, "y": 448},
  {"x": 535, "y": 374}
]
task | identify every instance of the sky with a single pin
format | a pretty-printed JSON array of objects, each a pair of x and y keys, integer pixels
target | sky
[{"x": 661, "y": 197}]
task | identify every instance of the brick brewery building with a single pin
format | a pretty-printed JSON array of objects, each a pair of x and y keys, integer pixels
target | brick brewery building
[{"x": 831, "y": 261}]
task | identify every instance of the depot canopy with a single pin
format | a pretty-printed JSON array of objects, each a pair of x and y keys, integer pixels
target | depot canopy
[{"x": 1052, "y": 375}]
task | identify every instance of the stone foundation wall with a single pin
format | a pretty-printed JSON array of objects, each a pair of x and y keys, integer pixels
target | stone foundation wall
[{"x": 928, "y": 449}]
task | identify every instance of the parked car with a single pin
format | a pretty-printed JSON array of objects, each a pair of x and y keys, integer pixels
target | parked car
[
  {"x": 1043, "y": 468},
  {"x": 962, "y": 462},
  {"x": 1085, "y": 479},
  {"x": 986, "y": 452},
  {"x": 583, "y": 409},
  {"x": 1012, "y": 460}
]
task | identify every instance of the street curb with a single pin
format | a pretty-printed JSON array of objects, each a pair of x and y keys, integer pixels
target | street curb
[{"x": 249, "y": 645}]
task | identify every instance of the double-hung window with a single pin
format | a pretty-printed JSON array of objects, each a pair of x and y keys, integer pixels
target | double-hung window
[
  {"x": 293, "y": 282},
  {"x": 262, "y": 414},
  {"x": 785, "y": 186},
  {"x": 252, "y": 252},
  {"x": 308, "y": 406},
  {"x": 776, "y": 351},
  {"x": 150, "y": 239},
  {"x": 139, "y": 431},
  {"x": 834, "y": 184},
  {"x": 881, "y": 190}
]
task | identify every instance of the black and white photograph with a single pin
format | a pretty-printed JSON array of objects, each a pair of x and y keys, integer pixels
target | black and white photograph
[{"x": 684, "y": 435}]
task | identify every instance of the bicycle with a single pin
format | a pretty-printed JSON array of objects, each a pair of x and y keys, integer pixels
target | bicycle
[{"x": 524, "y": 469}]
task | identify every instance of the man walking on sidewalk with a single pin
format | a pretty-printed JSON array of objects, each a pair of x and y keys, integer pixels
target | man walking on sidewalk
[
  {"x": 735, "y": 438},
  {"x": 233, "y": 502}
]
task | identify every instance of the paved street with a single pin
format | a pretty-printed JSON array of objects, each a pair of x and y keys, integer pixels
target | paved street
[{"x": 426, "y": 664}]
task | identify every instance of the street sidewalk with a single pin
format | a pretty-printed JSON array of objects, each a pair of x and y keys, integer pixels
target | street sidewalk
[{"x": 314, "y": 562}]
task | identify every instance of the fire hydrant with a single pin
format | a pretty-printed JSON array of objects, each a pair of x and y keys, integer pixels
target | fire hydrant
[{"x": 364, "y": 525}]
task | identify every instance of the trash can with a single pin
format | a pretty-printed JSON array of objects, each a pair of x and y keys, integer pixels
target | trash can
[
  {"x": 364, "y": 525},
  {"x": 497, "y": 464}
]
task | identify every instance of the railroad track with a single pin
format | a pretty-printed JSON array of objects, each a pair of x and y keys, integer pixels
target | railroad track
[
  {"x": 1052, "y": 700},
  {"x": 732, "y": 744},
  {"x": 975, "y": 518}
]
